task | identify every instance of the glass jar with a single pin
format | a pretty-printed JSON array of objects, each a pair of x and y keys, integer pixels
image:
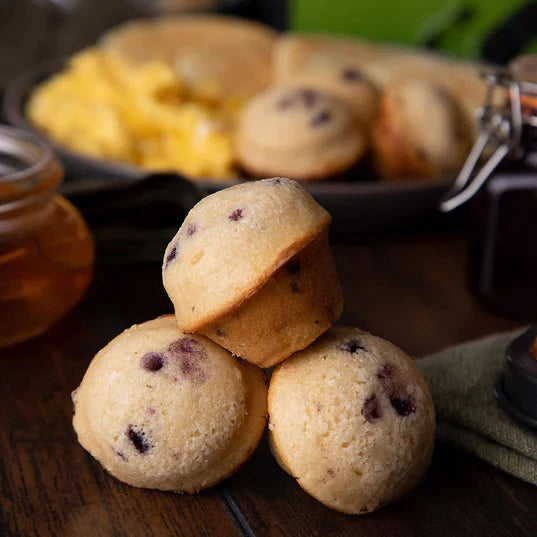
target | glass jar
[
  {"x": 502, "y": 266},
  {"x": 46, "y": 250},
  {"x": 499, "y": 179}
]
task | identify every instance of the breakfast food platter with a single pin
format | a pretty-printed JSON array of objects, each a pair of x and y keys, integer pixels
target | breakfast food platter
[
  {"x": 376, "y": 133},
  {"x": 364, "y": 205}
]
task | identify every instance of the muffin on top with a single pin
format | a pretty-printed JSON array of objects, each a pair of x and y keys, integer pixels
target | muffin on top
[{"x": 250, "y": 267}]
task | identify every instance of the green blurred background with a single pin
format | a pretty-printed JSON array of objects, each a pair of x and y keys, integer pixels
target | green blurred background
[{"x": 455, "y": 25}]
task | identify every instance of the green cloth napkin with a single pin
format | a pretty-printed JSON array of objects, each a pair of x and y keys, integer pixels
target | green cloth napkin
[{"x": 461, "y": 380}]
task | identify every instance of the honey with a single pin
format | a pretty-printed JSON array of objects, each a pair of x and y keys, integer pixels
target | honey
[{"x": 46, "y": 249}]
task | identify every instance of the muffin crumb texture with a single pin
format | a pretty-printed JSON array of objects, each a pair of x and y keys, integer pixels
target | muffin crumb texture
[
  {"x": 162, "y": 409},
  {"x": 256, "y": 275},
  {"x": 351, "y": 418}
]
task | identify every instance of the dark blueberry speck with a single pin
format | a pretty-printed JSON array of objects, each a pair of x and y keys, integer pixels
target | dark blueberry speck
[
  {"x": 152, "y": 361},
  {"x": 219, "y": 332},
  {"x": 286, "y": 102},
  {"x": 371, "y": 410},
  {"x": 350, "y": 74},
  {"x": 385, "y": 371},
  {"x": 236, "y": 215},
  {"x": 276, "y": 181},
  {"x": 121, "y": 456},
  {"x": 187, "y": 345},
  {"x": 191, "y": 229},
  {"x": 402, "y": 402},
  {"x": 322, "y": 117},
  {"x": 352, "y": 346},
  {"x": 138, "y": 439},
  {"x": 331, "y": 472},
  {"x": 309, "y": 97},
  {"x": 294, "y": 267},
  {"x": 192, "y": 358},
  {"x": 403, "y": 405},
  {"x": 171, "y": 256}
]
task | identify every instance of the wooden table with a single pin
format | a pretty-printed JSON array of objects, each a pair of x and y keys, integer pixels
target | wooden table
[{"x": 410, "y": 289}]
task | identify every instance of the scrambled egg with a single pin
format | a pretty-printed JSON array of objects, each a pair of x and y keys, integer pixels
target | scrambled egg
[{"x": 105, "y": 107}]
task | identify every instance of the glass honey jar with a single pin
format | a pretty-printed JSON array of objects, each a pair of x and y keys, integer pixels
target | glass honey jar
[{"x": 46, "y": 249}]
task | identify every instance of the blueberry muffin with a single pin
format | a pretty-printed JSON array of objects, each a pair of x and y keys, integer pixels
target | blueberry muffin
[
  {"x": 300, "y": 132},
  {"x": 215, "y": 56},
  {"x": 351, "y": 419},
  {"x": 164, "y": 410},
  {"x": 459, "y": 78},
  {"x": 331, "y": 68},
  {"x": 251, "y": 268},
  {"x": 421, "y": 132},
  {"x": 295, "y": 54}
]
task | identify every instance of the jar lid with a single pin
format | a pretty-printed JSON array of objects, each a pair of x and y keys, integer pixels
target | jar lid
[
  {"x": 516, "y": 387},
  {"x": 507, "y": 127}
]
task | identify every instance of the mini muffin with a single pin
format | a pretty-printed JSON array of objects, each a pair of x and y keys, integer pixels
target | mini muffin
[
  {"x": 295, "y": 54},
  {"x": 352, "y": 420},
  {"x": 349, "y": 84},
  {"x": 300, "y": 132},
  {"x": 164, "y": 410},
  {"x": 461, "y": 79},
  {"x": 334, "y": 69},
  {"x": 421, "y": 132},
  {"x": 251, "y": 268},
  {"x": 214, "y": 56}
]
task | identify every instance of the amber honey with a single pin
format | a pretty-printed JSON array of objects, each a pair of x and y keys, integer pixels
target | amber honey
[{"x": 46, "y": 249}]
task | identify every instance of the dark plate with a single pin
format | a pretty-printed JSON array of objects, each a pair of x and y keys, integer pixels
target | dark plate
[{"x": 356, "y": 205}]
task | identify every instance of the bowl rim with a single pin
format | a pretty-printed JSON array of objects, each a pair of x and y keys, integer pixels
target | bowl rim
[{"x": 16, "y": 95}]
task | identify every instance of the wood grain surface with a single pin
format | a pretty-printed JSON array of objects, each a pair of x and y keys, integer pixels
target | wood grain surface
[{"x": 410, "y": 289}]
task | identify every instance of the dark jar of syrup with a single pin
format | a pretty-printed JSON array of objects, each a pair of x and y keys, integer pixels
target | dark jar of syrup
[
  {"x": 503, "y": 250},
  {"x": 499, "y": 180}
]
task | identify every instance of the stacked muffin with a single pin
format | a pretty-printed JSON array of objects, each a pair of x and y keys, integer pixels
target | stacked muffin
[{"x": 179, "y": 403}]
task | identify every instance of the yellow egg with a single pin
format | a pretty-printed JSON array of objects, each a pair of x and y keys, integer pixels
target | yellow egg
[{"x": 105, "y": 107}]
